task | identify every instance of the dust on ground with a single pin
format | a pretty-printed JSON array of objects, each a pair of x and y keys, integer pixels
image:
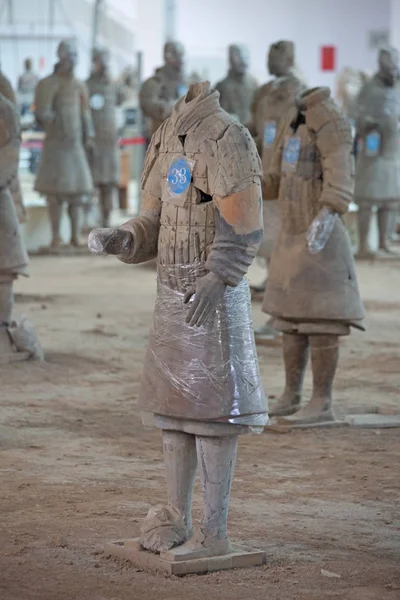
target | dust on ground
[{"x": 77, "y": 467}]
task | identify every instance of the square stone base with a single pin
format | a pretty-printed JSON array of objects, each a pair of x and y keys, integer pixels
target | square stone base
[{"x": 132, "y": 550}]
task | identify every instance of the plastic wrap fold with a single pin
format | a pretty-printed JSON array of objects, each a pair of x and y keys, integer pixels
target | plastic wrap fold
[{"x": 207, "y": 373}]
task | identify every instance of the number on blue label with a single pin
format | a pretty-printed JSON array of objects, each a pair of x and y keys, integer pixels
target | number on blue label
[{"x": 179, "y": 176}]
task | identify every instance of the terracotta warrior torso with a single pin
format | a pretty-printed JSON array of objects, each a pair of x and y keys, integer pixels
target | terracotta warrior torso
[
  {"x": 159, "y": 93},
  {"x": 200, "y": 212},
  {"x": 104, "y": 97},
  {"x": 272, "y": 102},
  {"x": 312, "y": 168},
  {"x": 237, "y": 95},
  {"x": 378, "y": 150}
]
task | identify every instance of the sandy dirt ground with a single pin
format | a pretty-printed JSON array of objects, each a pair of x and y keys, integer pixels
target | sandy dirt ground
[{"x": 77, "y": 467}]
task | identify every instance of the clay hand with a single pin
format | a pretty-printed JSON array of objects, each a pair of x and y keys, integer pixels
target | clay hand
[
  {"x": 208, "y": 293},
  {"x": 320, "y": 230},
  {"x": 110, "y": 241}
]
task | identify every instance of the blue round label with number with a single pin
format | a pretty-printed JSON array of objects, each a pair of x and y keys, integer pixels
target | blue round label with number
[
  {"x": 269, "y": 133},
  {"x": 373, "y": 142},
  {"x": 182, "y": 90},
  {"x": 292, "y": 151},
  {"x": 179, "y": 176}
]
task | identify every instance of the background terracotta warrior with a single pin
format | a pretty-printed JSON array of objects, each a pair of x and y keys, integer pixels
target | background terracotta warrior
[
  {"x": 378, "y": 155},
  {"x": 13, "y": 257},
  {"x": 272, "y": 102},
  {"x": 27, "y": 83},
  {"x": 201, "y": 217},
  {"x": 238, "y": 89},
  {"x": 62, "y": 108},
  {"x": 15, "y": 187},
  {"x": 160, "y": 92},
  {"x": 104, "y": 97},
  {"x": 312, "y": 290}
]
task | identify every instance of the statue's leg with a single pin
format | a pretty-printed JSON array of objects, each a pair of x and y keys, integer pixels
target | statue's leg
[
  {"x": 74, "y": 212},
  {"x": 164, "y": 528},
  {"x": 6, "y": 306},
  {"x": 324, "y": 360},
  {"x": 364, "y": 222},
  {"x": 385, "y": 216},
  {"x": 216, "y": 457},
  {"x": 106, "y": 203},
  {"x": 54, "y": 204},
  {"x": 295, "y": 356},
  {"x": 180, "y": 460}
]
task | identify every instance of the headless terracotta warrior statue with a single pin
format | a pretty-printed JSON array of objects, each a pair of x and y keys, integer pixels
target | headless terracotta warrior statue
[
  {"x": 201, "y": 217},
  {"x": 312, "y": 292}
]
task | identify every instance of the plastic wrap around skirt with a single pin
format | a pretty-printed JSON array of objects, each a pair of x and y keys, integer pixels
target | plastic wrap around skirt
[{"x": 208, "y": 373}]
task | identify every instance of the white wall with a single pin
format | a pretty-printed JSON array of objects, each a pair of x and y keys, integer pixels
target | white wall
[
  {"x": 206, "y": 27},
  {"x": 395, "y": 23}
]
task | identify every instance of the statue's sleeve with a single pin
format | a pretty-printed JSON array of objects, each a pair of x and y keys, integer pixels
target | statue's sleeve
[
  {"x": 86, "y": 114},
  {"x": 272, "y": 178},
  {"x": 151, "y": 101},
  {"x": 367, "y": 116},
  {"x": 44, "y": 98},
  {"x": 335, "y": 143},
  {"x": 146, "y": 226},
  {"x": 236, "y": 193}
]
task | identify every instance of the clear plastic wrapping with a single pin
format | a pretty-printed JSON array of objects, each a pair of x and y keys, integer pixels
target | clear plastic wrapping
[
  {"x": 320, "y": 230},
  {"x": 207, "y": 373}
]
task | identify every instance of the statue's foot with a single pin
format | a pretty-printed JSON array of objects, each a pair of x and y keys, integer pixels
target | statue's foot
[
  {"x": 55, "y": 243},
  {"x": 366, "y": 254},
  {"x": 7, "y": 348},
  {"x": 162, "y": 529},
  {"x": 288, "y": 404},
  {"x": 76, "y": 242},
  {"x": 200, "y": 545},
  {"x": 257, "y": 289},
  {"x": 266, "y": 332},
  {"x": 315, "y": 412}
]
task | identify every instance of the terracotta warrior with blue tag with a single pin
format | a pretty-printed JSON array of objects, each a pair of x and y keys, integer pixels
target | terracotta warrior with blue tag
[
  {"x": 378, "y": 153},
  {"x": 238, "y": 89},
  {"x": 160, "y": 92},
  {"x": 104, "y": 97},
  {"x": 272, "y": 102},
  {"x": 312, "y": 292},
  {"x": 201, "y": 217}
]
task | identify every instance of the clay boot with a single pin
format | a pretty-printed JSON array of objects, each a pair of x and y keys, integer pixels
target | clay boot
[
  {"x": 295, "y": 356},
  {"x": 216, "y": 457},
  {"x": 165, "y": 527},
  {"x": 324, "y": 359}
]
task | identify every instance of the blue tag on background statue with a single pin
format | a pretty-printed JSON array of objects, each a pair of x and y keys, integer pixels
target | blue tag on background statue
[
  {"x": 269, "y": 133},
  {"x": 292, "y": 151},
  {"x": 179, "y": 176},
  {"x": 182, "y": 90},
  {"x": 372, "y": 143}
]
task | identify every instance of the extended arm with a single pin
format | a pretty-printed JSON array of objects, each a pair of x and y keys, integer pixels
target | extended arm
[
  {"x": 137, "y": 240},
  {"x": 272, "y": 178}
]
